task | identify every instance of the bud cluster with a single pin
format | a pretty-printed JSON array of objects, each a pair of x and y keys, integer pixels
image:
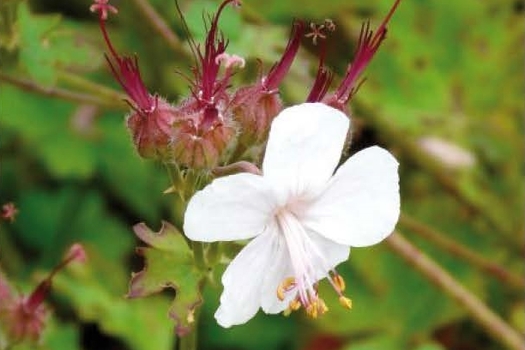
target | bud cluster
[{"x": 215, "y": 122}]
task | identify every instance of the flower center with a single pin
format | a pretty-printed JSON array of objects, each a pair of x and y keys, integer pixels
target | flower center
[{"x": 309, "y": 265}]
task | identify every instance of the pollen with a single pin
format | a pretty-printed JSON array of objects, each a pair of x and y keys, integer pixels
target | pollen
[
  {"x": 316, "y": 308},
  {"x": 345, "y": 302},
  {"x": 295, "y": 305},
  {"x": 285, "y": 286}
]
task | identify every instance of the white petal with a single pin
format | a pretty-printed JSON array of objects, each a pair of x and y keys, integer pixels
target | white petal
[
  {"x": 279, "y": 268},
  {"x": 304, "y": 147},
  {"x": 331, "y": 252},
  {"x": 360, "y": 206},
  {"x": 230, "y": 208},
  {"x": 243, "y": 280}
]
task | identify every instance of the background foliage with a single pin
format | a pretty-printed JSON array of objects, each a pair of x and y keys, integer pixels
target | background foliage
[{"x": 451, "y": 71}]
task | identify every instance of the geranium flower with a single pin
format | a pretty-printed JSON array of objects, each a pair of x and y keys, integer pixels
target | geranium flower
[{"x": 302, "y": 216}]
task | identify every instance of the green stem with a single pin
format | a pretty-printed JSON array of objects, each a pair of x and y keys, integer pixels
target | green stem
[
  {"x": 160, "y": 26},
  {"x": 86, "y": 85},
  {"x": 494, "y": 325},
  {"x": 176, "y": 178},
  {"x": 441, "y": 240},
  {"x": 11, "y": 258},
  {"x": 189, "y": 341},
  {"x": 77, "y": 97},
  {"x": 198, "y": 255},
  {"x": 214, "y": 254}
]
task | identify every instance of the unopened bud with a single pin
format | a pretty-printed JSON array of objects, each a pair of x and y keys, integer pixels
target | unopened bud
[
  {"x": 5, "y": 290},
  {"x": 9, "y": 212},
  {"x": 254, "y": 109},
  {"x": 76, "y": 253},
  {"x": 201, "y": 136},
  {"x": 24, "y": 323},
  {"x": 152, "y": 130}
]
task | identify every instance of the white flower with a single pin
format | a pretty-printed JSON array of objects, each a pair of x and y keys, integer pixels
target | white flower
[{"x": 302, "y": 219}]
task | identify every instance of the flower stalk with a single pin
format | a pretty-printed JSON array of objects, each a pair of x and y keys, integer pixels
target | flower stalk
[
  {"x": 441, "y": 240},
  {"x": 493, "y": 324}
]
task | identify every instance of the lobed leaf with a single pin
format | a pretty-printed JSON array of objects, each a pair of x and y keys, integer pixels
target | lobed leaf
[{"x": 168, "y": 264}]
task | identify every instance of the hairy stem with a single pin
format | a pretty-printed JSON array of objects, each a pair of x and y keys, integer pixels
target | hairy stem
[
  {"x": 441, "y": 240},
  {"x": 494, "y": 325}
]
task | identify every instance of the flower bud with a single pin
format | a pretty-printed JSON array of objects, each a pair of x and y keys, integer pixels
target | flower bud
[
  {"x": 254, "y": 110},
  {"x": 152, "y": 132},
  {"x": 23, "y": 323},
  {"x": 76, "y": 253},
  {"x": 5, "y": 290},
  {"x": 8, "y": 212},
  {"x": 201, "y": 135}
]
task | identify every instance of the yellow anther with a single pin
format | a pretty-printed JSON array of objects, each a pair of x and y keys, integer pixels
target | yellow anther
[
  {"x": 295, "y": 305},
  {"x": 322, "y": 308},
  {"x": 311, "y": 310},
  {"x": 280, "y": 292},
  {"x": 346, "y": 302},
  {"x": 284, "y": 287},
  {"x": 339, "y": 282},
  {"x": 287, "y": 311}
]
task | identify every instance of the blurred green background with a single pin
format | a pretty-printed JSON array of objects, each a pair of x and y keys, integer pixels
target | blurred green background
[{"x": 444, "y": 94}]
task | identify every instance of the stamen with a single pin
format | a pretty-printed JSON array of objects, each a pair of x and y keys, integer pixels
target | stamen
[
  {"x": 345, "y": 302},
  {"x": 304, "y": 255},
  {"x": 322, "y": 306},
  {"x": 284, "y": 287},
  {"x": 329, "y": 24},
  {"x": 103, "y": 7},
  {"x": 295, "y": 305},
  {"x": 230, "y": 61},
  {"x": 317, "y": 32},
  {"x": 339, "y": 282},
  {"x": 311, "y": 310}
]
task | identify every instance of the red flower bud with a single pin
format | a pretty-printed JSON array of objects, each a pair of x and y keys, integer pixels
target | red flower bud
[
  {"x": 152, "y": 132},
  {"x": 254, "y": 109},
  {"x": 23, "y": 323},
  {"x": 201, "y": 135}
]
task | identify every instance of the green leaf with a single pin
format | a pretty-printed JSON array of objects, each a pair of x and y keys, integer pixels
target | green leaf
[
  {"x": 133, "y": 322},
  {"x": 35, "y": 53},
  {"x": 374, "y": 343},
  {"x": 169, "y": 263},
  {"x": 44, "y": 125},
  {"x": 122, "y": 169},
  {"x": 229, "y": 21}
]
